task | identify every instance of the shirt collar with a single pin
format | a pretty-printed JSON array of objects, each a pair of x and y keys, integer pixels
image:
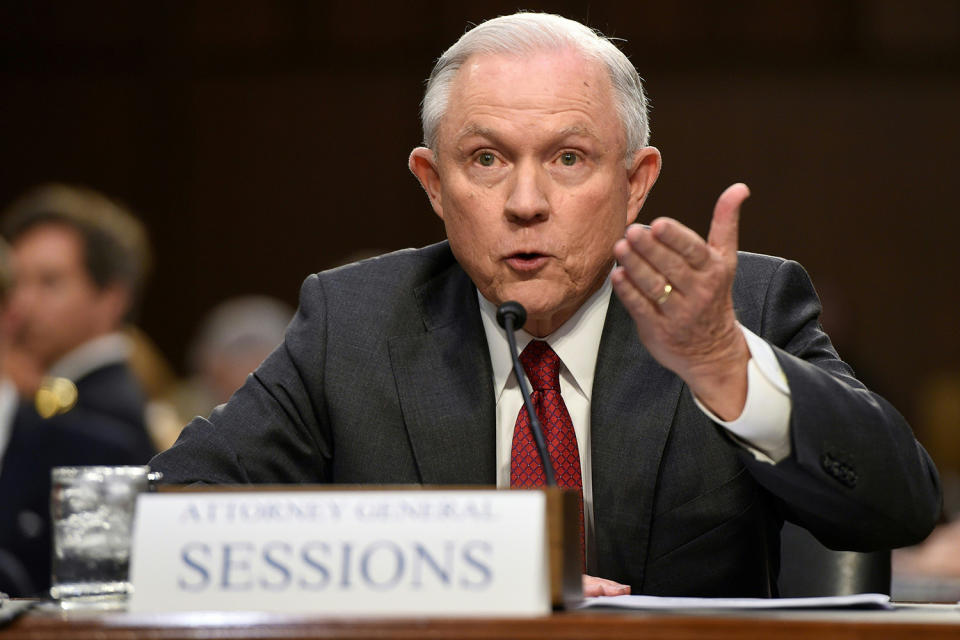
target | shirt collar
[
  {"x": 8, "y": 406},
  {"x": 112, "y": 348},
  {"x": 576, "y": 342}
]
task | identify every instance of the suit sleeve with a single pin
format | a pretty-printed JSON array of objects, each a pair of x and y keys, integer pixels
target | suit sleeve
[
  {"x": 856, "y": 477},
  {"x": 274, "y": 428}
]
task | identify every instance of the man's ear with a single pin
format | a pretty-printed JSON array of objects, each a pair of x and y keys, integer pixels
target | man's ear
[
  {"x": 423, "y": 164},
  {"x": 641, "y": 174}
]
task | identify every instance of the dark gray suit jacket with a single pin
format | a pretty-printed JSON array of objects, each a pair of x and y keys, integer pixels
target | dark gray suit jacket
[{"x": 384, "y": 377}]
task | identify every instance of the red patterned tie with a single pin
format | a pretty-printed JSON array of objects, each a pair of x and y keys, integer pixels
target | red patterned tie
[{"x": 542, "y": 365}]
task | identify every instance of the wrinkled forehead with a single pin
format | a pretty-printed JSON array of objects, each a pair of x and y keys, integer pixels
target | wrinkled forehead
[{"x": 547, "y": 82}]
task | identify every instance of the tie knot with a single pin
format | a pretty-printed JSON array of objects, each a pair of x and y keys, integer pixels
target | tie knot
[{"x": 542, "y": 365}]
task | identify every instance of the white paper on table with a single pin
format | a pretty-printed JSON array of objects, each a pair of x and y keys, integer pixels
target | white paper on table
[{"x": 859, "y": 601}]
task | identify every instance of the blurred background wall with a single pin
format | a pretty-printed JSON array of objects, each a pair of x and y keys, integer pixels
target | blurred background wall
[{"x": 264, "y": 140}]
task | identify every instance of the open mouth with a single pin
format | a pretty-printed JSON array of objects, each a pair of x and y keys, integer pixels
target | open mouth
[{"x": 524, "y": 261}]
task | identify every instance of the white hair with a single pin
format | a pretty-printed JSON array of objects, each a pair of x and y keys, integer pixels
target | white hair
[{"x": 527, "y": 33}]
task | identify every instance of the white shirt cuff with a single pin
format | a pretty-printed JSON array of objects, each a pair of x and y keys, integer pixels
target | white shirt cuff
[{"x": 763, "y": 427}]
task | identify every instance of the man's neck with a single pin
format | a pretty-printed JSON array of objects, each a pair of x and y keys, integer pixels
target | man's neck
[{"x": 583, "y": 327}]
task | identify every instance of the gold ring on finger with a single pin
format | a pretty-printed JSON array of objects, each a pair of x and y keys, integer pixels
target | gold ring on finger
[{"x": 667, "y": 290}]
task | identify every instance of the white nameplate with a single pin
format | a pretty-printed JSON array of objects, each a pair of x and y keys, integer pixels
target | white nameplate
[{"x": 342, "y": 552}]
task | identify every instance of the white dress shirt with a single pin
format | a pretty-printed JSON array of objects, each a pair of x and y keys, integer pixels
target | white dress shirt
[
  {"x": 762, "y": 428},
  {"x": 8, "y": 407}
]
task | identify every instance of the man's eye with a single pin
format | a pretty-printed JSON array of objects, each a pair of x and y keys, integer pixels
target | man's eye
[
  {"x": 568, "y": 158},
  {"x": 486, "y": 159}
]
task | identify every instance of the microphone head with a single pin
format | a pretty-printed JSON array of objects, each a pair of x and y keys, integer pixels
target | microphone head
[{"x": 513, "y": 309}]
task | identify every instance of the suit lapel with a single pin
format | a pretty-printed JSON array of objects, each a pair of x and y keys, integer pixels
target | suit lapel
[
  {"x": 633, "y": 405},
  {"x": 445, "y": 386}
]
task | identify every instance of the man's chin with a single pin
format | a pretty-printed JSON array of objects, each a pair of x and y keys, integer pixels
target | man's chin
[
  {"x": 541, "y": 311},
  {"x": 533, "y": 299}
]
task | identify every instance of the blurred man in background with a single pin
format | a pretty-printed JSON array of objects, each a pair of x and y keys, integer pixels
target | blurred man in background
[
  {"x": 78, "y": 261},
  {"x": 230, "y": 342},
  {"x": 233, "y": 340}
]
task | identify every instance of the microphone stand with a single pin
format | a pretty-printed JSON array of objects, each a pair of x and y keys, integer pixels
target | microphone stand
[{"x": 508, "y": 313}]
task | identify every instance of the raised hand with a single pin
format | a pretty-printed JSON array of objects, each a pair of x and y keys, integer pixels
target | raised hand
[{"x": 677, "y": 287}]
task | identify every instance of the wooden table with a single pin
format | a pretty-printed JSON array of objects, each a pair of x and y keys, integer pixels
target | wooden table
[{"x": 907, "y": 623}]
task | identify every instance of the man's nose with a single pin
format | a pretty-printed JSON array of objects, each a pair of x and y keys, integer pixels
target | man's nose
[{"x": 527, "y": 201}]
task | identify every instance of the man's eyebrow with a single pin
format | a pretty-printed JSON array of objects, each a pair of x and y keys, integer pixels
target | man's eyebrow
[
  {"x": 473, "y": 129},
  {"x": 577, "y": 130}
]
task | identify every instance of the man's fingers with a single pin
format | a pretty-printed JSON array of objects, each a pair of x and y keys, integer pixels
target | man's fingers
[
  {"x": 637, "y": 283},
  {"x": 593, "y": 587},
  {"x": 724, "y": 228},
  {"x": 637, "y": 304},
  {"x": 682, "y": 241},
  {"x": 652, "y": 263}
]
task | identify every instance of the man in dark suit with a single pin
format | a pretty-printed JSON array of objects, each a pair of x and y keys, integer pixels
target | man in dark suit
[
  {"x": 703, "y": 400},
  {"x": 77, "y": 261}
]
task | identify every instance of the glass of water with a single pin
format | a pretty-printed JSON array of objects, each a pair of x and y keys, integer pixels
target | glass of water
[{"x": 92, "y": 512}]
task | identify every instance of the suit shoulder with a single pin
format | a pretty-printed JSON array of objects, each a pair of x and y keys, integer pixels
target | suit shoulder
[
  {"x": 761, "y": 278},
  {"x": 751, "y": 264},
  {"x": 377, "y": 292},
  {"x": 405, "y": 265},
  {"x": 755, "y": 269},
  {"x": 113, "y": 385}
]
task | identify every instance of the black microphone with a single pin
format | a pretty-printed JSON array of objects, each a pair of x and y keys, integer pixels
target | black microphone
[{"x": 511, "y": 316}]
